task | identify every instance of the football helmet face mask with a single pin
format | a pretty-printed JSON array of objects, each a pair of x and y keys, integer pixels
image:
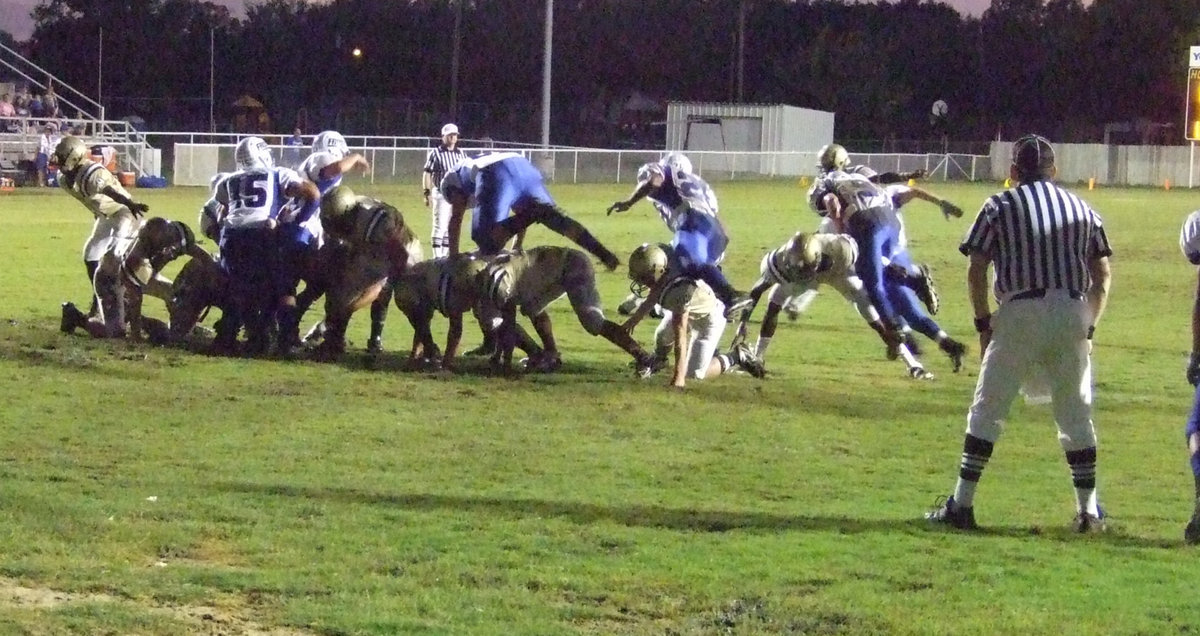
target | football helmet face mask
[
  {"x": 647, "y": 264},
  {"x": 678, "y": 162},
  {"x": 337, "y": 202},
  {"x": 832, "y": 157},
  {"x": 333, "y": 142},
  {"x": 251, "y": 153},
  {"x": 70, "y": 152}
]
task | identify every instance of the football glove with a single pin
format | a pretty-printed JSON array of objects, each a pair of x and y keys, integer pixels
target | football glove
[
  {"x": 1193, "y": 369},
  {"x": 950, "y": 210},
  {"x": 139, "y": 209}
]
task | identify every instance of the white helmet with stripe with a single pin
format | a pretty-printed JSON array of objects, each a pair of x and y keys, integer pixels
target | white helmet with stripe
[
  {"x": 332, "y": 142},
  {"x": 251, "y": 153}
]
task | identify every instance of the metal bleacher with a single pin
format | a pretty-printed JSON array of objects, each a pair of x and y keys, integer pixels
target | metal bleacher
[{"x": 19, "y": 136}]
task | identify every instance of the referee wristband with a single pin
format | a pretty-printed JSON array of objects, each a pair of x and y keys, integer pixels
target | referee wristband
[
  {"x": 983, "y": 324},
  {"x": 426, "y": 191}
]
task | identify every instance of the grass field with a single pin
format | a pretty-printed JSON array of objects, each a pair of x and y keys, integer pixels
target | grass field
[{"x": 154, "y": 491}]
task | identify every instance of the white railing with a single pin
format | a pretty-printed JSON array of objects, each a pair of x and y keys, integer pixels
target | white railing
[{"x": 196, "y": 163}]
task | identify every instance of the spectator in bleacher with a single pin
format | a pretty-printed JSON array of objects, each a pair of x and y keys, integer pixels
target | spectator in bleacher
[
  {"x": 50, "y": 100},
  {"x": 8, "y": 114},
  {"x": 293, "y": 154},
  {"x": 36, "y": 108},
  {"x": 46, "y": 144},
  {"x": 21, "y": 101}
]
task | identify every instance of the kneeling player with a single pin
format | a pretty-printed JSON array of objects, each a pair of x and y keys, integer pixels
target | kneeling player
[
  {"x": 529, "y": 281},
  {"x": 693, "y": 320},
  {"x": 125, "y": 274}
]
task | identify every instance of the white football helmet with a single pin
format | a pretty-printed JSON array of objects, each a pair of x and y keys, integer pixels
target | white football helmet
[
  {"x": 333, "y": 142},
  {"x": 70, "y": 152},
  {"x": 251, "y": 153},
  {"x": 677, "y": 161},
  {"x": 647, "y": 264}
]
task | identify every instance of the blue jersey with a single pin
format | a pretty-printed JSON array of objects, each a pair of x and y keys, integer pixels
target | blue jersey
[
  {"x": 679, "y": 193},
  {"x": 496, "y": 183},
  {"x": 254, "y": 197}
]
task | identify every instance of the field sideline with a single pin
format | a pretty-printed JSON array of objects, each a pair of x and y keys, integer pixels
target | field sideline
[{"x": 155, "y": 491}]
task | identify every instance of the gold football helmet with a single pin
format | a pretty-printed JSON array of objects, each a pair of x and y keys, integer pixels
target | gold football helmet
[
  {"x": 70, "y": 152},
  {"x": 337, "y": 202},
  {"x": 647, "y": 264},
  {"x": 833, "y": 157}
]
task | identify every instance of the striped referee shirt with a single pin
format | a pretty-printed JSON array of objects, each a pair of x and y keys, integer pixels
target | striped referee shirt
[
  {"x": 1039, "y": 236},
  {"x": 442, "y": 160}
]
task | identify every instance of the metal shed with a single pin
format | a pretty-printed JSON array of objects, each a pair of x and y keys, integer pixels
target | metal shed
[{"x": 748, "y": 138}]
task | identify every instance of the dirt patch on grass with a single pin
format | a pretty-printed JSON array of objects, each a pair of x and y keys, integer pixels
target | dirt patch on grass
[{"x": 201, "y": 619}]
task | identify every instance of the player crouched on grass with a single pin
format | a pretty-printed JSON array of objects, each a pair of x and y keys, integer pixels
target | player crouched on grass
[
  {"x": 692, "y": 324},
  {"x": 446, "y": 285},
  {"x": 800, "y": 267},
  {"x": 379, "y": 244},
  {"x": 529, "y": 281},
  {"x": 125, "y": 273}
]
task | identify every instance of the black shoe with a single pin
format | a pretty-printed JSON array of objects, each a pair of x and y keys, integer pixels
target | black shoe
[
  {"x": 747, "y": 361},
  {"x": 375, "y": 345},
  {"x": 71, "y": 318},
  {"x": 956, "y": 350},
  {"x": 482, "y": 350},
  {"x": 1191, "y": 532},
  {"x": 919, "y": 373},
  {"x": 950, "y": 514},
  {"x": 922, "y": 285},
  {"x": 1085, "y": 523}
]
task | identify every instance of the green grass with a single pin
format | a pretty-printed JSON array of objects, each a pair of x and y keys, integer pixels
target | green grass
[{"x": 139, "y": 484}]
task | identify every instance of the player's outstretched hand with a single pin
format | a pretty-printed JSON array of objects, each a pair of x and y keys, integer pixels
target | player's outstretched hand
[
  {"x": 619, "y": 206},
  {"x": 950, "y": 210},
  {"x": 139, "y": 209},
  {"x": 1193, "y": 369}
]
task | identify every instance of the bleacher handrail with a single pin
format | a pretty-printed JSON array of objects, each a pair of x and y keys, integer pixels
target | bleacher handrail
[{"x": 99, "y": 113}]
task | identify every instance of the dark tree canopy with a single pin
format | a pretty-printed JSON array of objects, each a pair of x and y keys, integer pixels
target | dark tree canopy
[{"x": 1056, "y": 66}]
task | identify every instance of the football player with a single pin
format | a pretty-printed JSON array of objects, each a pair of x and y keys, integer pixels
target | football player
[
  {"x": 1189, "y": 242},
  {"x": 125, "y": 273},
  {"x": 692, "y": 324},
  {"x": 379, "y": 245},
  {"x": 301, "y": 235},
  {"x": 689, "y": 208},
  {"x": 118, "y": 216},
  {"x": 200, "y": 285},
  {"x": 253, "y": 198},
  {"x": 212, "y": 212},
  {"x": 801, "y": 266},
  {"x": 529, "y": 281}
]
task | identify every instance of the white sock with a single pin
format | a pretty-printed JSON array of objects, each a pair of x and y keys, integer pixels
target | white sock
[
  {"x": 760, "y": 348},
  {"x": 908, "y": 357},
  {"x": 1086, "y": 501},
  {"x": 964, "y": 493}
]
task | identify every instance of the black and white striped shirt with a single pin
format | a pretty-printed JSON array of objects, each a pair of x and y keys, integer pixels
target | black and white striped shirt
[
  {"x": 442, "y": 160},
  {"x": 1039, "y": 236}
]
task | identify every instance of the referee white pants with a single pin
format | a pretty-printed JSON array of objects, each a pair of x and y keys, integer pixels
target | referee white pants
[
  {"x": 1051, "y": 332},
  {"x": 703, "y": 340},
  {"x": 439, "y": 239},
  {"x": 116, "y": 231}
]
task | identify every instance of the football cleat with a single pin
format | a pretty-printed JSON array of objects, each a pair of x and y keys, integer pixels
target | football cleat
[
  {"x": 737, "y": 304},
  {"x": 747, "y": 361},
  {"x": 950, "y": 514},
  {"x": 919, "y": 373},
  {"x": 1086, "y": 523},
  {"x": 922, "y": 285},
  {"x": 71, "y": 318},
  {"x": 1191, "y": 532},
  {"x": 546, "y": 362},
  {"x": 956, "y": 350}
]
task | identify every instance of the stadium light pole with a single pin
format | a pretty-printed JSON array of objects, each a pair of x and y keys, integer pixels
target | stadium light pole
[
  {"x": 212, "y": 75},
  {"x": 547, "y": 50},
  {"x": 454, "y": 59}
]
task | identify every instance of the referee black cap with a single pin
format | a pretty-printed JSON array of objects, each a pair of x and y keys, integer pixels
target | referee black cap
[{"x": 1033, "y": 156}]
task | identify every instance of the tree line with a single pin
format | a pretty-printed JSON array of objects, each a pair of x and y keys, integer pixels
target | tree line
[{"x": 1056, "y": 66}]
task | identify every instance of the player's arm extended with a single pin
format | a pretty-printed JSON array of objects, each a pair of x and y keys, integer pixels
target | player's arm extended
[
  {"x": 644, "y": 308},
  {"x": 908, "y": 194},
  {"x": 835, "y": 211},
  {"x": 119, "y": 197},
  {"x": 344, "y": 165},
  {"x": 679, "y": 322},
  {"x": 639, "y": 193}
]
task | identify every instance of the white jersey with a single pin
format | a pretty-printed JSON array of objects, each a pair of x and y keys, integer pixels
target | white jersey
[
  {"x": 252, "y": 198},
  {"x": 680, "y": 192},
  {"x": 1189, "y": 238},
  {"x": 312, "y": 166},
  {"x": 88, "y": 186},
  {"x": 855, "y": 191}
]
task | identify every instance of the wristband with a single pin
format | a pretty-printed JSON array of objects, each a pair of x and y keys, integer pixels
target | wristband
[
  {"x": 983, "y": 324},
  {"x": 1091, "y": 332},
  {"x": 426, "y": 191}
]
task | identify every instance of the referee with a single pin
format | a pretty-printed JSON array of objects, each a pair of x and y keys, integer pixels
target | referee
[
  {"x": 441, "y": 160},
  {"x": 1050, "y": 254}
]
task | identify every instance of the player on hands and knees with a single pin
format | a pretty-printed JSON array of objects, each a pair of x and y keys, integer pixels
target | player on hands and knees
[{"x": 692, "y": 324}]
